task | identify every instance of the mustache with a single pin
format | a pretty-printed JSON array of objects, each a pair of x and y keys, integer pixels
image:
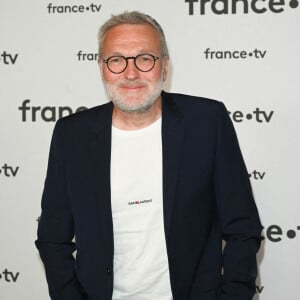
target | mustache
[{"x": 131, "y": 83}]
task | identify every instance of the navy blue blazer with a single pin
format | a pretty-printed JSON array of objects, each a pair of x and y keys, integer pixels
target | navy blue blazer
[{"x": 207, "y": 198}]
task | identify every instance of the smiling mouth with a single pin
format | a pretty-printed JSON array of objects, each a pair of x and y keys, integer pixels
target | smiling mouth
[{"x": 132, "y": 87}]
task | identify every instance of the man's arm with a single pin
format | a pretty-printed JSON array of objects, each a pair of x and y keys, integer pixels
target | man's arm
[
  {"x": 56, "y": 230},
  {"x": 240, "y": 222}
]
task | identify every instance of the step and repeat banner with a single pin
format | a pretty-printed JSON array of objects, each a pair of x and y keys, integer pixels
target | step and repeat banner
[{"x": 245, "y": 53}]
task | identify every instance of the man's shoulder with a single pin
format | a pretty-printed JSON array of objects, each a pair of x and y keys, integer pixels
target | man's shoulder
[
  {"x": 87, "y": 119},
  {"x": 87, "y": 114},
  {"x": 190, "y": 104}
]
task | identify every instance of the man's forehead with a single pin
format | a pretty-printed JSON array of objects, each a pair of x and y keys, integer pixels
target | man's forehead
[
  {"x": 137, "y": 37},
  {"x": 126, "y": 30}
]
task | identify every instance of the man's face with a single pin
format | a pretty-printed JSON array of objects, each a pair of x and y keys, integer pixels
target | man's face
[{"x": 133, "y": 90}]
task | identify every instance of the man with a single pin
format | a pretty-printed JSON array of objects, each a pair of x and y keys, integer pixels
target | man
[{"x": 149, "y": 185}]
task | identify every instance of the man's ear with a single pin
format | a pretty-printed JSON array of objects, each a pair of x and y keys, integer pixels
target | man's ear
[
  {"x": 165, "y": 68},
  {"x": 100, "y": 66}
]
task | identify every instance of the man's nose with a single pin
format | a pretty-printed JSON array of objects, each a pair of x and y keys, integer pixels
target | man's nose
[{"x": 131, "y": 72}]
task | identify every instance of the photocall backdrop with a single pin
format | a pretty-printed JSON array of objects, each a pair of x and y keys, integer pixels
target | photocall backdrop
[{"x": 245, "y": 53}]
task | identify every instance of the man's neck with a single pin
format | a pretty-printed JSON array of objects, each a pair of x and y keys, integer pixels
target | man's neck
[{"x": 138, "y": 120}]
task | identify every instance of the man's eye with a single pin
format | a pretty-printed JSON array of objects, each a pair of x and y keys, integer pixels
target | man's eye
[
  {"x": 146, "y": 58},
  {"x": 115, "y": 60}
]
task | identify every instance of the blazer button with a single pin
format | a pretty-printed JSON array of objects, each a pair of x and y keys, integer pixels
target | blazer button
[{"x": 108, "y": 271}]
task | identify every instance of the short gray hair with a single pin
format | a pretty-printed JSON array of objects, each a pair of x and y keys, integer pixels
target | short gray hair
[{"x": 133, "y": 17}]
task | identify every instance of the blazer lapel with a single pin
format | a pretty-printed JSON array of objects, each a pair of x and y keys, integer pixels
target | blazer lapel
[
  {"x": 172, "y": 141},
  {"x": 101, "y": 152}
]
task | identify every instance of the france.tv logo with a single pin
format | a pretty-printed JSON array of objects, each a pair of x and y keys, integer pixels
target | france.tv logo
[{"x": 232, "y": 7}]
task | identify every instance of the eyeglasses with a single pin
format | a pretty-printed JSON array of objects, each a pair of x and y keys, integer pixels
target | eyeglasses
[{"x": 143, "y": 62}]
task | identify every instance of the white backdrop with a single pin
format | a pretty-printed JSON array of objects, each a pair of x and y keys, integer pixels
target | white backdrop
[{"x": 47, "y": 61}]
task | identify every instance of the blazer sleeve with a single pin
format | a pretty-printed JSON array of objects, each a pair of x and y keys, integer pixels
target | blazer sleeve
[
  {"x": 56, "y": 229},
  {"x": 240, "y": 224}
]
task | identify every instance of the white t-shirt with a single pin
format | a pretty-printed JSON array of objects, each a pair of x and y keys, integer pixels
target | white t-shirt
[{"x": 141, "y": 270}]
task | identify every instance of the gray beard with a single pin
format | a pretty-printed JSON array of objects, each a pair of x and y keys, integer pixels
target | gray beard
[{"x": 148, "y": 101}]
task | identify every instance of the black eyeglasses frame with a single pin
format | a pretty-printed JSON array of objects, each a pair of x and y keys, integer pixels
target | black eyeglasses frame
[{"x": 126, "y": 58}]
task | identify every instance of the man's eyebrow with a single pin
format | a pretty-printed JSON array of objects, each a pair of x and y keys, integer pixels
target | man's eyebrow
[
  {"x": 114, "y": 54},
  {"x": 137, "y": 53}
]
